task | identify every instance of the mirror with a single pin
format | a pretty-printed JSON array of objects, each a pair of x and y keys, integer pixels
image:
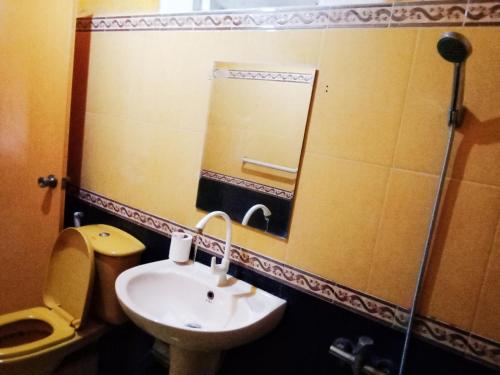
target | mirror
[{"x": 256, "y": 124}]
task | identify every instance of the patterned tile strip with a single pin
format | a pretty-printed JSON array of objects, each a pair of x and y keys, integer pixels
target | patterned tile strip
[
  {"x": 415, "y": 14},
  {"x": 485, "y": 350},
  {"x": 304, "y": 18},
  {"x": 338, "y": 294},
  {"x": 435, "y": 331},
  {"x": 428, "y": 14},
  {"x": 264, "y": 76},
  {"x": 249, "y": 185},
  {"x": 483, "y": 13},
  {"x": 377, "y": 15},
  {"x": 445, "y": 335}
]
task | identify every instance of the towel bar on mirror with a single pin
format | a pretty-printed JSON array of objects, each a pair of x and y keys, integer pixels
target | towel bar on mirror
[{"x": 269, "y": 165}]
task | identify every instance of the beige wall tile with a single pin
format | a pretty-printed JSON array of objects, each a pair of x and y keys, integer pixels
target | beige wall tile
[
  {"x": 86, "y": 7},
  {"x": 335, "y": 220},
  {"x": 486, "y": 321},
  {"x": 479, "y": 149},
  {"x": 143, "y": 165},
  {"x": 401, "y": 236},
  {"x": 176, "y": 91},
  {"x": 362, "y": 80},
  {"x": 286, "y": 47},
  {"x": 460, "y": 252},
  {"x": 423, "y": 130},
  {"x": 114, "y": 73}
]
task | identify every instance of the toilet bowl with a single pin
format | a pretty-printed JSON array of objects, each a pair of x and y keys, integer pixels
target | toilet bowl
[{"x": 35, "y": 340}]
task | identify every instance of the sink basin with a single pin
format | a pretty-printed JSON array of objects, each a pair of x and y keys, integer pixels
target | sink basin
[{"x": 180, "y": 304}]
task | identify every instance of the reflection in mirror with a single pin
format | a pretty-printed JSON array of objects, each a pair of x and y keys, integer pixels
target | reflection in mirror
[{"x": 253, "y": 143}]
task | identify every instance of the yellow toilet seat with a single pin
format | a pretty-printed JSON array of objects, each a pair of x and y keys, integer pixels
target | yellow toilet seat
[
  {"x": 66, "y": 296},
  {"x": 61, "y": 331}
]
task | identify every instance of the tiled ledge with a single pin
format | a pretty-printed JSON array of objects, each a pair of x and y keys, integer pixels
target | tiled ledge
[
  {"x": 465, "y": 343},
  {"x": 397, "y": 14}
]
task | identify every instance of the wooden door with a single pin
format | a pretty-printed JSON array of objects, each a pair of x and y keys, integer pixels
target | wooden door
[{"x": 36, "y": 60}]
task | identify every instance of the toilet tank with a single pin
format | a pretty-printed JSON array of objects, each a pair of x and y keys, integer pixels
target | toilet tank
[{"x": 114, "y": 252}]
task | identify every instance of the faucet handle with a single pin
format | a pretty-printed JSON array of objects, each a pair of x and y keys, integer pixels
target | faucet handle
[
  {"x": 220, "y": 268},
  {"x": 363, "y": 343},
  {"x": 213, "y": 264},
  {"x": 361, "y": 353}
]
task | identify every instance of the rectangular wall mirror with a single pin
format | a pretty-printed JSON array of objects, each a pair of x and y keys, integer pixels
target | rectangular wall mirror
[{"x": 253, "y": 143}]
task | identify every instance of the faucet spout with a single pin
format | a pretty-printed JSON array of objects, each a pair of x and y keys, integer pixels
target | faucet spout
[
  {"x": 266, "y": 211},
  {"x": 220, "y": 270}
]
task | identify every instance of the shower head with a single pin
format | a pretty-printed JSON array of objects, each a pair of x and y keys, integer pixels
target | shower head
[{"x": 454, "y": 47}]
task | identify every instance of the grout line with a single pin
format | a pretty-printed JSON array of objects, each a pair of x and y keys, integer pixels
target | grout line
[
  {"x": 485, "y": 274},
  {"x": 405, "y": 101},
  {"x": 378, "y": 233},
  {"x": 466, "y": 14},
  {"x": 324, "y": 154},
  {"x": 322, "y": 42},
  {"x": 407, "y": 170},
  {"x": 122, "y": 118},
  {"x": 460, "y": 180},
  {"x": 389, "y": 24}
]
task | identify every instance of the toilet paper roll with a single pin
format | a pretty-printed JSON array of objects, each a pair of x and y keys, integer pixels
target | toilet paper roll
[{"x": 180, "y": 247}]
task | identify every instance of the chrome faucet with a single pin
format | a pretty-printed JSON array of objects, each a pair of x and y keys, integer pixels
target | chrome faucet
[
  {"x": 77, "y": 219},
  {"x": 220, "y": 270},
  {"x": 266, "y": 211}
]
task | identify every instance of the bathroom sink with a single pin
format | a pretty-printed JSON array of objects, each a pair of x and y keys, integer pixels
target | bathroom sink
[{"x": 180, "y": 304}]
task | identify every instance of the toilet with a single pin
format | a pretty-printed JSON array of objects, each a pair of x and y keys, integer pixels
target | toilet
[{"x": 84, "y": 264}]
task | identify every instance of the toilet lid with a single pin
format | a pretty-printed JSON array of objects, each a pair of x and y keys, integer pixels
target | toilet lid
[{"x": 70, "y": 277}]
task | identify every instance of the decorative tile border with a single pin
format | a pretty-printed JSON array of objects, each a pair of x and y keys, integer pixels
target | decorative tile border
[
  {"x": 259, "y": 75},
  {"x": 397, "y": 14},
  {"x": 377, "y": 15},
  {"x": 434, "y": 331},
  {"x": 428, "y": 13},
  {"x": 279, "y": 19},
  {"x": 483, "y": 13},
  {"x": 338, "y": 294},
  {"x": 246, "y": 184},
  {"x": 474, "y": 347},
  {"x": 484, "y": 350}
]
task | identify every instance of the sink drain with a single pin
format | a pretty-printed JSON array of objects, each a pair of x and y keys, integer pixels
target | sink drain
[{"x": 193, "y": 325}]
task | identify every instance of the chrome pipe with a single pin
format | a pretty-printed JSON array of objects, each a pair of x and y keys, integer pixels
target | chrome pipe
[
  {"x": 427, "y": 247},
  {"x": 347, "y": 357}
]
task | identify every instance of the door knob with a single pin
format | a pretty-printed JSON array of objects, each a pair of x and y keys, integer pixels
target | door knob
[{"x": 49, "y": 181}]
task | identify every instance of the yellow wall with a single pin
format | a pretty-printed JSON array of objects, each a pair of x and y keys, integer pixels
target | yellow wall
[
  {"x": 373, "y": 150},
  {"x": 96, "y": 7}
]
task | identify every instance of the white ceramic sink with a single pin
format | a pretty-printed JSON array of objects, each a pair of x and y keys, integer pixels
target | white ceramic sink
[{"x": 181, "y": 305}]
